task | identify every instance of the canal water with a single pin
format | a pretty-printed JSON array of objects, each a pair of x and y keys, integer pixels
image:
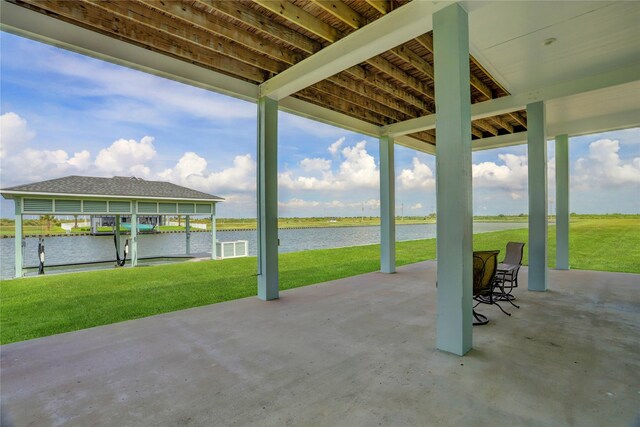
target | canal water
[{"x": 78, "y": 249}]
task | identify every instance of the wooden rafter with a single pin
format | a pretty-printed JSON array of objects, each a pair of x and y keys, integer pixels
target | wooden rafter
[
  {"x": 343, "y": 12},
  {"x": 247, "y": 42},
  {"x": 502, "y": 123},
  {"x": 305, "y": 20},
  {"x": 98, "y": 19},
  {"x": 192, "y": 36},
  {"x": 381, "y": 6},
  {"x": 210, "y": 23},
  {"x": 353, "y": 98},
  {"x": 486, "y": 126},
  {"x": 248, "y": 16}
]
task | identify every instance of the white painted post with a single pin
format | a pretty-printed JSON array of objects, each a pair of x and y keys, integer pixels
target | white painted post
[
  {"x": 267, "y": 199},
  {"x": 537, "y": 159},
  {"x": 453, "y": 183},
  {"x": 387, "y": 206},
  {"x": 134, "y": 236},
  {"x": 214, "y": 247},
  {"x": 18, "y": 236},
  {"x": 187, "y": 232},
  {"x": 562, "y": 202}
]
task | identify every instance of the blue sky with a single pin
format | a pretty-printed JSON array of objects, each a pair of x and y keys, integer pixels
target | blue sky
[{"x": 67, "y": 114}]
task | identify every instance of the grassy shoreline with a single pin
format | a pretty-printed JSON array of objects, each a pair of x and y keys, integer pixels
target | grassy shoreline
[
  {"x": 232, "y": 224},
  {"x": 42, "y": 306}
]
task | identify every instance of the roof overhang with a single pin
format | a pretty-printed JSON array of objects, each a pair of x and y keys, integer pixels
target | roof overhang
[{"x": 601, "y": 94}]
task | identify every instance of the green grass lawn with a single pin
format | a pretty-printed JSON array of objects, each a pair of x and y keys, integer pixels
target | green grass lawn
[{"x": 47, "y": 305}]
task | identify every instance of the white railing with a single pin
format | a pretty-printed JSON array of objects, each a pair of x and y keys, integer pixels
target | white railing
[
  {"x": 236, "y": 249},
  {"x": 192, "y": 225}
]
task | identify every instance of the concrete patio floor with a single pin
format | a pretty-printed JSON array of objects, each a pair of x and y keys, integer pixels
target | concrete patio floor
[{"x": 352, "y": 352}]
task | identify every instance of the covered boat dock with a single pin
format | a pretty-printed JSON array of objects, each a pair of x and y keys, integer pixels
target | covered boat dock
[{"x": 117, "y": 196}]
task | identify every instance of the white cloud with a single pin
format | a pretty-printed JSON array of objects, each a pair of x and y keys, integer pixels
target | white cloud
[
  {"x": 191, "y": 170},
  {"x": 317, "y": 164},
  {"x": 43, "y": 164},
  {"x": 333, "y": 148},
  {"x": 603, "y": 167},
  {"x": 127, "y": 156},
  {"x": 149, "y": 93},
  {"x": 417, "y": 206},
  {"x": 299, "y": 203},
  {"x": 357, "y": 170},
  {"x": 14, "y": 133},
  {"x": 512, "y": 175},
  {"x": 419, "y": 176}
]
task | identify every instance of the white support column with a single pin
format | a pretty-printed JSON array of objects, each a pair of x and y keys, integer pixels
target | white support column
[
  {"x": 18, "y": 236},
  {"x": 453, "y": 185},
  {"x": 537, "y": 159},
  {"x": 562, "y": 202},
  {"x": 134, "y": 236},
  {"x": 187, "y": 233},
  {"x": 214, "y": 247},
  {"x": 267, "y": 199},
  {"x": 387, "y": 206}
]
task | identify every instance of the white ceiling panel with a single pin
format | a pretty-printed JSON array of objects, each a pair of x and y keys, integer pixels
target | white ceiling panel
[{"x": 591, "y": 37}]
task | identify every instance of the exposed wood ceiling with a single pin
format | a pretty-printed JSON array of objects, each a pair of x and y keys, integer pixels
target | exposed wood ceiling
[{"x": 255, "y": 40}]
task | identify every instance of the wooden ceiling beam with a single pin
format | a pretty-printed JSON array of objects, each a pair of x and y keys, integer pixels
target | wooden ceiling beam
[
  {"x": 415, "y": 60},
  {"x": 328, "y": 101},
  {"x": 518, "y": 118},
  {"x": 379, "y": 83},
  {"x": 221, "y": 27},
  {"x": 367, "y": 91},
  {"x": 424, "y": 136},
  {"x": 254, "y": 19},
  {"x": 476, "y": 132},
  {"x": 395, "y": 72},
  {"x": 502, "y": 123},
  {"x": 301, "y": 18},
  {"x": 381, "y": 6},
  {"x": 97, "y": 19},
  {"x": 353, "y": 98},
  {"x": 192, "y": 36},
  {"x": 304, "y": 19},
  {"x": 342, "y": 12},
  {"x": 485, "y": 125},
  {"x": 426, "y": 41},
  {"x": 250, "y": 17}
]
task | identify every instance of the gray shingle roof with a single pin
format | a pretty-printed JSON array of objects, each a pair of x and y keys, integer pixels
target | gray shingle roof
[{"x": 120, "y": 186}]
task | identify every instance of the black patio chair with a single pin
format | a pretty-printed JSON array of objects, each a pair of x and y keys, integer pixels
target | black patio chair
[{"x": 485, "y": 265}]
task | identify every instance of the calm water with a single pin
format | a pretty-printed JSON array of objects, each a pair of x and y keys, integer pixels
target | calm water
[{"x": 61, "y": 250}]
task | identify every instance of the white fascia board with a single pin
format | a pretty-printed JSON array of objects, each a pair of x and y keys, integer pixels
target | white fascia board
[
  {"x": 599, "y": 124},
  {"x": 409, "y": 142},
  {"x": 511, "y": 103},
  {"x": 516, "y": 102},
  {"x": 403, "y": 24},
  {"x": 10, "y": 194},
  {"x": 37, "y": 26},
  {"x": 324, "y": 115}
]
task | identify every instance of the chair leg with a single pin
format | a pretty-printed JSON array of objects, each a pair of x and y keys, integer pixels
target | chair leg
[
  {"x": 502, "y": 309},
  {"x": 481, "y": 319}
]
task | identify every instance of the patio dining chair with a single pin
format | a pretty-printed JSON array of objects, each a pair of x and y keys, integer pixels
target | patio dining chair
[
  {"x": 485, "y": 265},
  {"x": 507, "y": 274}
]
